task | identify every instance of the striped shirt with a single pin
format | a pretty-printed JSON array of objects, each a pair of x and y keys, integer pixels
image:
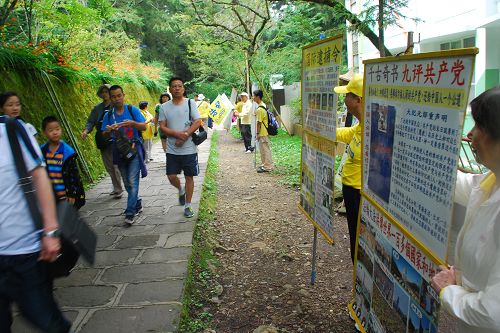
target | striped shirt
[{"x": 55, "y": 161}]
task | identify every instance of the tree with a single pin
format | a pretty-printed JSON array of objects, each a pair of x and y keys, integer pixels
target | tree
[
  {"x": 384, "y": 13},
  {"x": 238, "y": 22}
]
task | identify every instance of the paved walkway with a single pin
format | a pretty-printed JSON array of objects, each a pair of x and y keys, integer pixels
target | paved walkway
[{"x": 137, "y": 282}]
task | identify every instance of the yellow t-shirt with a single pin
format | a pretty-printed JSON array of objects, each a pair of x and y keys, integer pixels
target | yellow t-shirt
[
  {"x": 148, "y": 132},
  {"x": 262, "y": 118},
  {"x": 203, "y": 109},
  {"x": 351, "y": 172}
]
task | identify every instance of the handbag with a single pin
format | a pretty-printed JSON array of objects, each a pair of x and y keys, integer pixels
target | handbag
[
  {"x": 77, "y": 238},
  {"x": 201, "y": 136}
]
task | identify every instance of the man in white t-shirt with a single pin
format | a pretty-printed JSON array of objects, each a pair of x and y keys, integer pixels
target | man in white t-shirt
[
  {"x": 179, "y": 118},
  {"x": 23, "y": 256}
]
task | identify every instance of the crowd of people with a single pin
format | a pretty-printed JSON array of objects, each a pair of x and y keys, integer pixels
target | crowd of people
[{"x": 469, "y": 290}]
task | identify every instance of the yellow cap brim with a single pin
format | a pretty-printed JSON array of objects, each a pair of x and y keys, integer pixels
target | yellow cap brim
[{"x": 341, "y": 90}]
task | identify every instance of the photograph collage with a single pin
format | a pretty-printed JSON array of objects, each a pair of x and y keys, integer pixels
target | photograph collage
[{"x": 391, "y": 294}]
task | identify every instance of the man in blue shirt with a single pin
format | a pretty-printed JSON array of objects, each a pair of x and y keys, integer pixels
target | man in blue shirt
[{"x": 129, "y": 121}]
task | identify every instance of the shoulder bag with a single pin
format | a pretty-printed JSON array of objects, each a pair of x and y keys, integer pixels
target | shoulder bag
[{"x": 201, "y": 136}]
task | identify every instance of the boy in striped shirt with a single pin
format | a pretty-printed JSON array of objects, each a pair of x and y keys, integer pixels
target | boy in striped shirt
[{"x": 62, "y": 168}]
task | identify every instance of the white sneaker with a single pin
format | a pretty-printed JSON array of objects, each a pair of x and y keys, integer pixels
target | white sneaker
[{"x": 248, "y": 151}]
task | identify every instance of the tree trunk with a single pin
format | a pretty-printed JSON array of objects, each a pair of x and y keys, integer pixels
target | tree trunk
[{"x": 381, "y": 28}]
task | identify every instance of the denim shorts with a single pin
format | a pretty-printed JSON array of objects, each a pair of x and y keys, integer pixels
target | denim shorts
[{"x": 186, "y": 163}]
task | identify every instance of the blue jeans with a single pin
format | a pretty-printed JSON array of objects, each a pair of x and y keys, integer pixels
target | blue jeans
[
  {"x": 130, "y": 176},
  {"x": 23, "y": 280}
]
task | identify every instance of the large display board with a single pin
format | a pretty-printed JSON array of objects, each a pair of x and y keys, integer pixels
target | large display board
[
  {"x": 320, "y": 74},
  {"x": 414, "y": 108}
]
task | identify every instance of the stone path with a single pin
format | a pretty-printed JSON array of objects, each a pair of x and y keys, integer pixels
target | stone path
[{"x": 137, "y": 282}]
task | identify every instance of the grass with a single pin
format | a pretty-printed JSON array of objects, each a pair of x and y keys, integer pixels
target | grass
[
  {"x": 198, "y": 290},
  {"x": 286, "y": 151}
]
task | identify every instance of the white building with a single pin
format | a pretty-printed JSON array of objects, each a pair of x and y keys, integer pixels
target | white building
[{"x": 445, "y": 24}]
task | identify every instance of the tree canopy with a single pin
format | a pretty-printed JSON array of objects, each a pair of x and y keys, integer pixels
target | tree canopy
[{"x": 214, "y": 44}]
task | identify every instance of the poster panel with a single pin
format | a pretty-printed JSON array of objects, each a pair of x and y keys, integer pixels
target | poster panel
[
  {"x": 317, "y": 183},
  {"x": 320, "y": 74},
  {"x": 414, "y": 107},
  {"x": 392, "y": 285}
]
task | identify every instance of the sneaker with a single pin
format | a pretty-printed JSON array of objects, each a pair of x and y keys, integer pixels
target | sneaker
[
  {"x": 261, "y": 170},
  {"x": 129, "y": 220},
  {"x": 248, "y": 151},
  {"x": 138, "y": 211},
  {"x": 118, "y": 195},
  {"x": 182, "y": 199},
  {"x": 188, "y": 212}
]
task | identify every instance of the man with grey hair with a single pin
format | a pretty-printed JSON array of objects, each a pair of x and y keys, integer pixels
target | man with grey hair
[{"x": 102, "y": 143}]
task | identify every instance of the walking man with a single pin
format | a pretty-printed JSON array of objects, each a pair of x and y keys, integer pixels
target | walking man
[
  {"x": 245, "y": 117},
  {"x": 179, "y": 118},
  {"x": 129, "y": 121},
  {"x": 262, "y": 134},
  {"x": 102, "y": 143},
  {"x": 23, "y": 253}
]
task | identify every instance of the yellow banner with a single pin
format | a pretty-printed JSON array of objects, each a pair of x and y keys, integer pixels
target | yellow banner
[{"x": 218, "y": 110}]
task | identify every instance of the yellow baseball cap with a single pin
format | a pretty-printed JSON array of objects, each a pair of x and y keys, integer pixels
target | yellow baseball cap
[{"x": 354, "y": 86}]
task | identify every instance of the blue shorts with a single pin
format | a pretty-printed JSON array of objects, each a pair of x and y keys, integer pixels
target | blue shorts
[{"x": 186, "y": 163}]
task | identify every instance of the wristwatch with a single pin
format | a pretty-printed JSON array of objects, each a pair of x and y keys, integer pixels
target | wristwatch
[{"x": 56, "y": 233}]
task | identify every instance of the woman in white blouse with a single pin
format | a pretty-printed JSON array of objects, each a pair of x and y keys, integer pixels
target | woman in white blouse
[{"x": 470, "y": 290}]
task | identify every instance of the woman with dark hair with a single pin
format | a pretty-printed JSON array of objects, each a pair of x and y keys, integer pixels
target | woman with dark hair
[
  {"x": 164, "y": 98},
  {"x": 470, "y": 290},
  {"x": 10, "y": 104}
]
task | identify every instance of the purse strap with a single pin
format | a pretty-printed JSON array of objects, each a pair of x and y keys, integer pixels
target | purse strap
[
  {"x": 201, "y": 129},
  {"x": 25, "y": 180}
]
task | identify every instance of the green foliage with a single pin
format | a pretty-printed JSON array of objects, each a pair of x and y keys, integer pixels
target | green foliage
[
  {"x": 286, "y": 152},
  {"x": 296, "y": 105},
  {"x": 197, "y": 289}
]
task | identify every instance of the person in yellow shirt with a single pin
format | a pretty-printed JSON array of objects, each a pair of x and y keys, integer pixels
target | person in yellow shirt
[
  {"x": 244, "y": 114},
  {"x": 262, "y": 135},
  {"x": 203, "y": 108},
  {"x": 147, "y": 134},
  {"x": 351, "y": 172}
]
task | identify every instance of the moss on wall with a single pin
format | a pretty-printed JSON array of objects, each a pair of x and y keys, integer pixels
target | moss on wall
[{"x": 75, "y": 100}]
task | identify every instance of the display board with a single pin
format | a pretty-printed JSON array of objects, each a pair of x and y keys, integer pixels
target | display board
[
  {"x": 320, "y": 74},
  {"x": 414, "y": 108},
  {"x": 316, "y": 194},
  {"x": 393, "y": 292}
]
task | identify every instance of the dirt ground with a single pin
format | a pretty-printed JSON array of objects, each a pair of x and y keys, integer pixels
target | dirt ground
[{"x": 265, "y": 252}]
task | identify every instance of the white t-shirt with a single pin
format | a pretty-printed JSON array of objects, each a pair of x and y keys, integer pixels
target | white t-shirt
[
  {"x": 177, "y": 117},
  {"x": 17, "y": 231}
]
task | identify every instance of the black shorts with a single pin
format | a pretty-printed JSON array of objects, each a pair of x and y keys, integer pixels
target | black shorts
[{"x": 186, "y": 163}]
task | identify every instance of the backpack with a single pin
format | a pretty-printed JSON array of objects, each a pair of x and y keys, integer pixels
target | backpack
[{"x": 272, "y": 123}]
